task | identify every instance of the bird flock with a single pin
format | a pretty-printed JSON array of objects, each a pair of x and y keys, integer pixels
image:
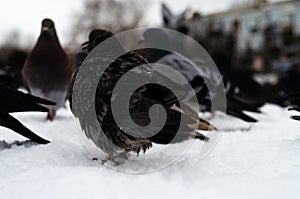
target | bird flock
[{"x": 49, "y": 76}]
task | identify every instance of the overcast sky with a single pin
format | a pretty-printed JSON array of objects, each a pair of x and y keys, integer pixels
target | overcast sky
[{"x": 25, "y": 16}]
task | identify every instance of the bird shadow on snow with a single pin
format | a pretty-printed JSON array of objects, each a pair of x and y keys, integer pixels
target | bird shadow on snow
[{"x": 6, "y": 145}]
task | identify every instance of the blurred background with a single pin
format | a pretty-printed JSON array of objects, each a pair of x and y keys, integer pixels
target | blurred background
[{"x": 256, "y": 36}]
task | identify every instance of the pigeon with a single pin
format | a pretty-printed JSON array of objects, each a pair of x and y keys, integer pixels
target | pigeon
[
  {"x": 236, "y": 101},
  {"x": 48, "y": 70},
  {"x": 175, "y": 22},
  {"x": 12, "y": 101},
  {"x": 140, "y": 102}
]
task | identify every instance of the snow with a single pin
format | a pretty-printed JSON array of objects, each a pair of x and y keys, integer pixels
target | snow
[{"x": 249, "y": 161}]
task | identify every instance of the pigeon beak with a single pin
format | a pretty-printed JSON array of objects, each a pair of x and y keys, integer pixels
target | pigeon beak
[{"x": 45, "y": 29}]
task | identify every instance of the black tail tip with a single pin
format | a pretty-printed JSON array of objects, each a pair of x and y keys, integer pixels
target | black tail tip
[
  {"x": 295, "y": 117},
  {"x": 45, "y": 142},
  {"x": 41, "y": 141}
]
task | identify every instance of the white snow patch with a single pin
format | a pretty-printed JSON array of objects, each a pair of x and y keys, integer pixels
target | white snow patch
[{"x": 262, "y": 161}]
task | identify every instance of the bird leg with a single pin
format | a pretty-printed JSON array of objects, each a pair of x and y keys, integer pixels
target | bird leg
[
  {"x": 51, "y": 114},
  {"x": 118, "y": 158},
  {"x": 212, "y": 115},
  {"x": 138, "y": 145},
  {"x": 49, "y": 117}
]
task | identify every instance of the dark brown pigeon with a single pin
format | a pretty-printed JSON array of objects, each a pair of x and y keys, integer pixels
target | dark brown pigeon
[
  {"x": 48, "y": 70},
  {"x": 12, "y": 101},
  {"x": 119, "y": 140}
]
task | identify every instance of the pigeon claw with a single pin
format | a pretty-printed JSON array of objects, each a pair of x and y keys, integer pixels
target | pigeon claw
[{"x": 49, "y": 117}]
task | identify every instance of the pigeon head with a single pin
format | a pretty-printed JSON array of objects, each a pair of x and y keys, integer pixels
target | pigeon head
[
  {"x": 48, "y": 28},
  {"x": 175, "y": 22},
  {"x": 96, "y": 37}
]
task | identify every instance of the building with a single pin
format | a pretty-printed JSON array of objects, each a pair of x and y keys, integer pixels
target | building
[{"x": 254, "y": 21}]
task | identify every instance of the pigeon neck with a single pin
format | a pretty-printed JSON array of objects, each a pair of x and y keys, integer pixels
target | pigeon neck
[{"x": 48, "y": 43}]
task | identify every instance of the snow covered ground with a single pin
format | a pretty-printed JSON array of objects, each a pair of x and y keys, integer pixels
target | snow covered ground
[{"x": 261, "y": 160}]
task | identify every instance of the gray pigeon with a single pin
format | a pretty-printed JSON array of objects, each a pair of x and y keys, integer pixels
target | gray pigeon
[{"x": 48, "y": 70}]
